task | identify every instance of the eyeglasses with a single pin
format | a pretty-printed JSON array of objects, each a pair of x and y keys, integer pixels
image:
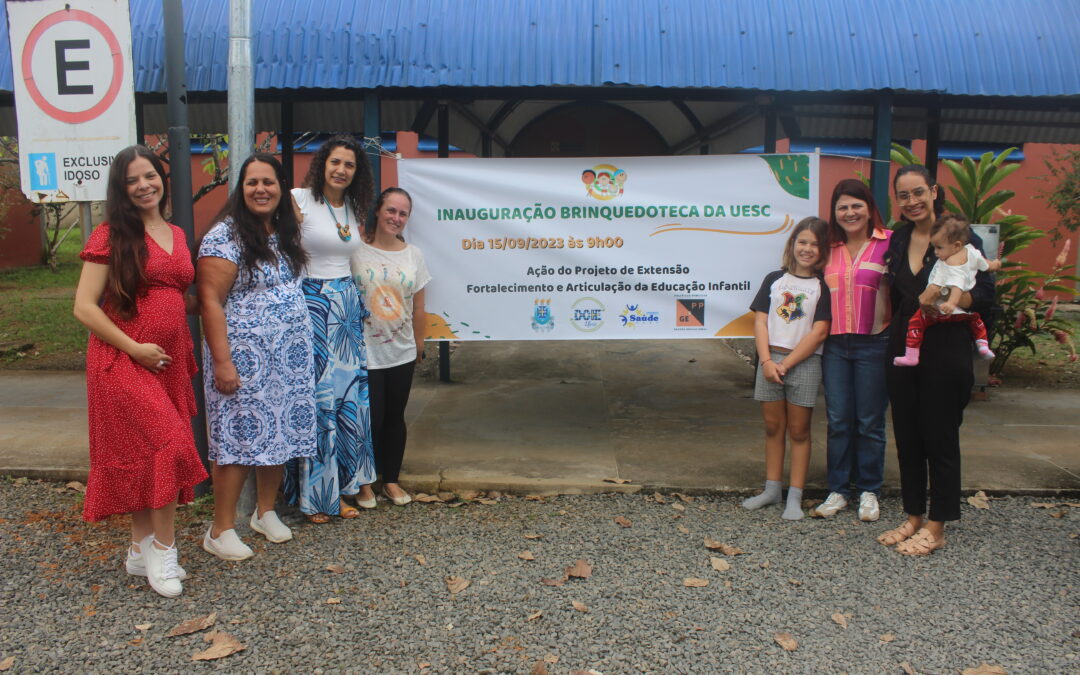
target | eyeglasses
[{"x": 917, "y": 193}]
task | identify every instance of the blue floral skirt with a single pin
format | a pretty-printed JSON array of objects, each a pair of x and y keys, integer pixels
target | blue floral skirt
[{"x": 344, "y": 459}]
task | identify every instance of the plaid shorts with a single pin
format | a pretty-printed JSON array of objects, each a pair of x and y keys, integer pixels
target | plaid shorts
[{"x": 800, "y": 384}]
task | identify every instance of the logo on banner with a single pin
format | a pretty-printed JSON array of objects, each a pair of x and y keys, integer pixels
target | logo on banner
[
  {"x": 689, "y": 312},
  {"x": 604, "y": 181},
  {"x": 633, "y": 315},
  {"x": 542, "y": 319},
  {"x": 587, "y": 314}
]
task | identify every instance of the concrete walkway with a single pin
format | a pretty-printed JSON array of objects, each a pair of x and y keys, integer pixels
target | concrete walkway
[{"x": 546, "y": 417}]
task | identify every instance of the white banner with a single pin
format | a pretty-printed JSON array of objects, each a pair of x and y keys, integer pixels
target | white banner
[
  {"x": 602, "y": 248},
  {"x": 74, "y": 94}
]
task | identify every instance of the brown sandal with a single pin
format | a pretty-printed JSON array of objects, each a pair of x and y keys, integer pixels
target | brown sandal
[
  {"x": 318, "y": 518},
  {"x": 923, "y": 543},
  {"x": 897, "y": 534}
]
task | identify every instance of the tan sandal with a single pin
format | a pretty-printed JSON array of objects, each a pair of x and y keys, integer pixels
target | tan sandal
[
  {"x": 923, "y": 543},
  {"x": 897, "y": 534}
]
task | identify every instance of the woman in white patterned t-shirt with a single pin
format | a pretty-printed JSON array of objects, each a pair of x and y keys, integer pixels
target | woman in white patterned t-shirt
[{"x": 391, "y": 275}]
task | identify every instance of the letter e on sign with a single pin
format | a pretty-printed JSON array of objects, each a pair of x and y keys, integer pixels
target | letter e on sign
[{"x": 72, "y": 66}]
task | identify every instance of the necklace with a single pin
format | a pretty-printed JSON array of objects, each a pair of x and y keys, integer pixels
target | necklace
[{"x": 343, "y": 231}]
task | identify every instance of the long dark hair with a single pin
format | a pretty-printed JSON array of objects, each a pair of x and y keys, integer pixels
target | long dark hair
[
  {"x": 850, "y": 187},
  {"x": 127, "y": 234},
  {"x": 254, "y": 240},
  {"x": 370, "y": 227},
  {"x": 920, "y": 170},
  {"x": 359, "y": 193}
]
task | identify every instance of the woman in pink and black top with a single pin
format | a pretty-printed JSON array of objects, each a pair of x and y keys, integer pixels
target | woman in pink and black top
[{"x": 853, "y": 362}]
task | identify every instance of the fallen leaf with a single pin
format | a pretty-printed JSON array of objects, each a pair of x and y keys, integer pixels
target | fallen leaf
[
  {"x": 143, "y": 626},
  {"x": 193, "y": 625},
  {"x": 1073, "y": 505},
  {"x": 794, "y": 582},
  {"x": 906, "y": 667},
  {"x": 426, "y": 499},
  {"x": 683, "y": 529},
  {"x": 445, "y": 496},
  {"x": 468, "y": 495},
  {"x": 563, "y": 512},
  {"x": 619, "y": 520},
  {"x": 7, "y": 663},
  {"x": 494, "y": 494},
  {"x": 985, "y": 669},
  {"x": 333, "y": 601},
  {"x": 551, "y": 658},
  {"x": 678, "y": 507},
  {"x": 222, "y": 645},
  {"x": 1043, "y": 505},
  {"x": 659, "y": 498},
  {"x": 76, "y": 486},
  {"x": 456, "y": 584},
  {"x": 1058, "y": 514},
  {"x": 539, "y": 669},
  {"x": 136, "y": 642},
  {"x": 719, "y": 564},
  {"x": 487, "y": 502},
  {"x": 533, "y": 498},
  {"x": 526, "y": 555},
  {"x": 423, "y": 664},
  {"x": 534, "y": 536},
  {"x": 552, "y": 582},
  {"x": 581, "y": 569},
  {"x": 579, "y": 606},
  {"x": 617, "y": 481},
  {"x": 714, "y": 545},
  {"x": 787, "y": 641},
  {"x": 682, "y": 497},
  {"x": 455, "y": 505},
  {"x": 534, "y": 616},
  {"x": 420, "y": 558},
  {"x": 840, "y": 619},
  {"x": 336, "y": 569},
  {"x": 692, "y": 582},
  {"x": 887, "y": 637},
  {"x": 979, "y": 500}
]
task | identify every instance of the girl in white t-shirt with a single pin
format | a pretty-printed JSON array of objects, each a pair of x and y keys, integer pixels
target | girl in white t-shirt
[
  {"x": 792, "y": 313},
  {"x": 391, "y": 275}
]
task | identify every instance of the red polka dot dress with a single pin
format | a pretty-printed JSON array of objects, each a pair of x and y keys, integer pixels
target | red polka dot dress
[{"x": 142, "y": 450}]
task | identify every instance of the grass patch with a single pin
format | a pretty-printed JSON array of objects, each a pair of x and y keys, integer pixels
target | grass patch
[
  {"x": 1048, "y": 367},
  {"x": 37, "y": 328}
]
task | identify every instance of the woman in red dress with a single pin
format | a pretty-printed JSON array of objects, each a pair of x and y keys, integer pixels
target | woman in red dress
[{"x": 139, "y": 364}]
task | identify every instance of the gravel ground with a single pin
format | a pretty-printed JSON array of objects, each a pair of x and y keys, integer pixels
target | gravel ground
[{"x": 1003, "y": 592}]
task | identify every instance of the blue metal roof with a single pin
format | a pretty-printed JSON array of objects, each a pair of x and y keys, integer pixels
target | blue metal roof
[{"x": 993, "y": 47}]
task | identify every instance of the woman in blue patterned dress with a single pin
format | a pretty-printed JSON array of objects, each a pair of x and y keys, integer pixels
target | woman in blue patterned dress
[
  {"x": 258, "y": 368},
  {"x": 332, "y": 205}
]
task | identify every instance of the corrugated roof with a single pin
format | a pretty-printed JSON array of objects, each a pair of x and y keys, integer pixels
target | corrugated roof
[{"x": 993, "y": 47}]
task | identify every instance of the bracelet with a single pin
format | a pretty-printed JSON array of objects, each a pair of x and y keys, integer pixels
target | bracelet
[{"x": 767, "y": 361}]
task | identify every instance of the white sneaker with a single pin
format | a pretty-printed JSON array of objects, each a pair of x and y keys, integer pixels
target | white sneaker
[
  {"x": 227, "y": 546},
  {"x": 868, "y": 507},
  {"x": 828, "y": 508},
  {"x": 161, "y": 568},
  {"x": 270, "y": 526},
  {"x": 136, "y": 566}
]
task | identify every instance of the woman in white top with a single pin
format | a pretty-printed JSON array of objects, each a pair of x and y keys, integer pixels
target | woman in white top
[
  {"x": 332, "y": 203},
  {"x": 391, "y": 275}
]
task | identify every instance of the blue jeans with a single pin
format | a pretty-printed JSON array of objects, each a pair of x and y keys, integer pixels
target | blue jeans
[{"x": 856, "y": 396}]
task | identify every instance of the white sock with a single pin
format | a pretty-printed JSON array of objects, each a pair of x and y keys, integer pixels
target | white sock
[
  {"x": 793, "y": 510},
  {"x": 770, "y": 495}
]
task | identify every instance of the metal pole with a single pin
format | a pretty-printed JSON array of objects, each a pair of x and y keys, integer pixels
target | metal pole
[
  {"x": 444, "y": 151},
  {"x": 372, "y": 124},
  {"x": 769, "y": 147},
  {"x": 879, "y": 170},
  {"x": 241, "y": 95},
  {"x": 86, "y": 218},
  {"x": 180, "y": 182},
  {"x": 287, "y": 142}
]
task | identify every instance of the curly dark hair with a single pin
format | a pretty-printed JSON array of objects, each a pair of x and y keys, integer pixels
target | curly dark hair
[
  {"x": 127, "y": 240},
  {"x": 254, "y": 240},
  {"x": 360, "y": 191}
]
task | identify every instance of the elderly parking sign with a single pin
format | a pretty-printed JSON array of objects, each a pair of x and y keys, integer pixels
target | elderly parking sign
[{"x": 74, "y": 98}]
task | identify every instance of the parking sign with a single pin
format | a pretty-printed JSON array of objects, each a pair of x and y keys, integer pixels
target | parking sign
[{"x": 74, "y": 97}]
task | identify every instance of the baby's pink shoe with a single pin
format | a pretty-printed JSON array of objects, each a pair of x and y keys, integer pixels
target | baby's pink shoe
[
  {"x": 910, "y": 357},
  {"x": 984, "y": 350}
]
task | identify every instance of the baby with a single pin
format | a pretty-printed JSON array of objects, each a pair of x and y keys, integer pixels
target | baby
[{"x": 954, "y": 273}]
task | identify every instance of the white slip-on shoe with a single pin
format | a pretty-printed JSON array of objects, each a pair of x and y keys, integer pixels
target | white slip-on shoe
[
  {"x": 161, "y": 568},
  {"x": 828, "y": 508},
  {"x": 869, "y": 511},
  {"x": 270, "y": 526},
  {"x": 398, "y": 501},
  {"x": 226, "y": 546},
  {"x": 136, "y": 566}
]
